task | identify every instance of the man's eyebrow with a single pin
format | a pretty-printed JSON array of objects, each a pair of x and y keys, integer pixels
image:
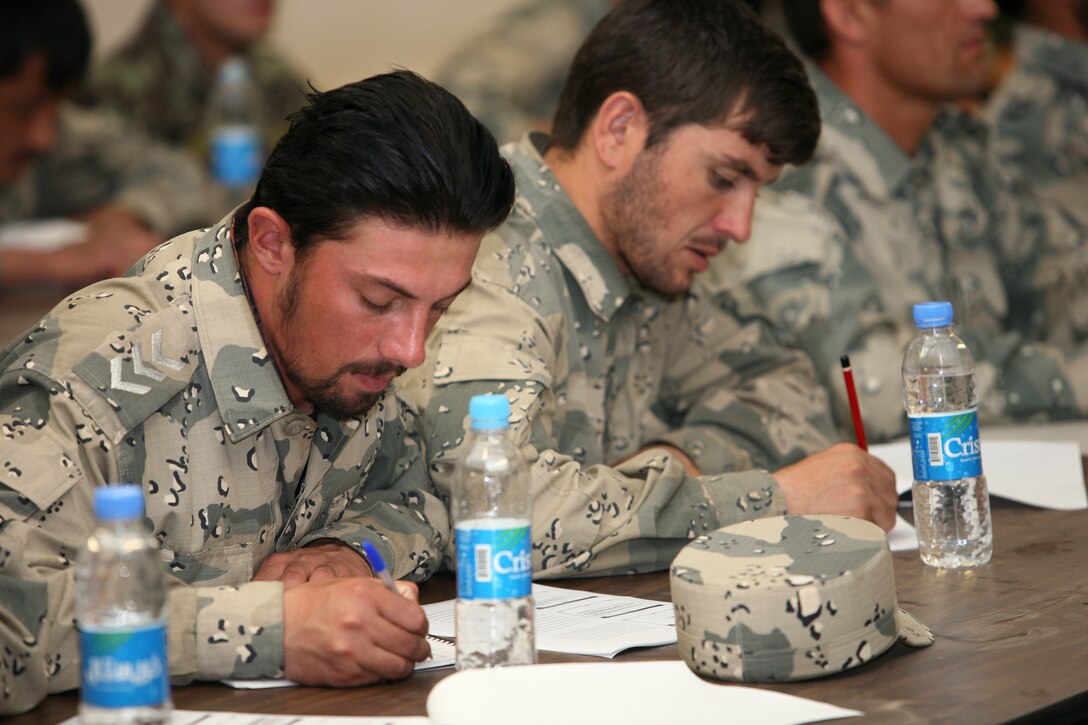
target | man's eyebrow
[
  {"x": 392, "y": 285},
  {"x": 740, "y": 166}
]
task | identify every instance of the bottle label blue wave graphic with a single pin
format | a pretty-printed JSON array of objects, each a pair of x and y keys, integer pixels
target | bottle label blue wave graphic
[
  {"x": 945, "y": 446},
  {"x": 493, "y": 563},
  {"x": 125, "y": 668}
]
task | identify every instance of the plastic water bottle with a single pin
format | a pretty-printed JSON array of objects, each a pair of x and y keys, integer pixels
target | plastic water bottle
[
  {"x": 491, "y": 516},
  {"x": 120, "y": 597},
  {"x": 234, "y": 136},
  {"x": 951, "y": 503}
]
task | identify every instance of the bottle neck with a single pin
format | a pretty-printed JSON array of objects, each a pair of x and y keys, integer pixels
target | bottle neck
[
  {"x": 123, "y": 526},
  {"x": 933, "y": 330},
  {"x": 492, "y": 431}
]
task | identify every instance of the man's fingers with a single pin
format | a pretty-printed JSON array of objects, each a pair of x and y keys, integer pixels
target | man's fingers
[
  {"x": 399, "y": 643},
  {"x": 294, "y": 574},
  {"x": 270, "y": 570},
  {"x": 323, "y": 572},
  {"x": 408, "y": 590},
  {"x": 404, "y": 613}
]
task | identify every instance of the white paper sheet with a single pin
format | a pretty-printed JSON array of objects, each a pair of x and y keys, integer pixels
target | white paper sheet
[
  {"x": 443, "y": 654},
  {"x": 903, "y": 537},
  {"x": 1047, "y": 474},
  {"x": 208, "y": 717},
  {"x": 612, "y": 693},
  {"x": 42, "y": 234},
  {"x": 585, "y": 623}
]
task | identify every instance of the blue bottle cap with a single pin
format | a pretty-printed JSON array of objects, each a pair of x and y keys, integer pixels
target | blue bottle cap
[
  {"x": 117, "y": 502},
  {"x": 489, "y": 411},
  {"x": 933, "y": 314}
]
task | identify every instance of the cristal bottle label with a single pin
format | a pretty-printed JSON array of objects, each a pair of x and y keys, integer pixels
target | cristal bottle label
[
  {"x": 124, "y": 668},
  {"x": 945, "y": 446},
  {"x": 493, "y": 563}
]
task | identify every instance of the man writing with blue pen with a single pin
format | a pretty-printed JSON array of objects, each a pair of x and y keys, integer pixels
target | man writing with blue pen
[{"x": 241, "y": 375}]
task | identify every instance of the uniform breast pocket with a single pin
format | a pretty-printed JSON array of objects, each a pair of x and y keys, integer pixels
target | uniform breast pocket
[
  {"x": 215, "y": 545},
  {"x": 221, "y": 566}
]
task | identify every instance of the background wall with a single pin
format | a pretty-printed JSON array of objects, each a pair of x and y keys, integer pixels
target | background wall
[{"x": 338, "y": 41}]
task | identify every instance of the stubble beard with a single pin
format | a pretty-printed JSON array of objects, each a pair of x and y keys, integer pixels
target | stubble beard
[
  {"x": 328, "y": 394},
  {"x": 631, "y": 214}
]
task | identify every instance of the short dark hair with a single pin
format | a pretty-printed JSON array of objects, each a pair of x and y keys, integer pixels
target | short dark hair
[
  {"x": 56, "y": 28},
  {"x": 693, "y": 61},
  {"x": 394, "y": 146},
  {"x": 806, "y": 24},
  {"x": 1012, "y": 8}
]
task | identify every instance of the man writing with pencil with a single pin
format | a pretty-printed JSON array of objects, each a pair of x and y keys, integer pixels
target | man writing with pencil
[{"x": 647, "y": 415}]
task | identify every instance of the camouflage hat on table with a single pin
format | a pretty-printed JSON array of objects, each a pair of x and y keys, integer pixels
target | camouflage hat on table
[{"x": 788, "y": 598}]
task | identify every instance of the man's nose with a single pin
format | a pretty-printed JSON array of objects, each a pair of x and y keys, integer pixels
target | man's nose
[
  {"x": 42, "y": 133},
  {"x": 405, "y": 343},
  {"x": 734, "y": 219}
]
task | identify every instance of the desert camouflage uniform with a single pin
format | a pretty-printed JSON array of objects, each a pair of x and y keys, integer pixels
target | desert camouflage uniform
[
  {"x": 1040, "y": 117},
  {"x": 597, "y": 368},
  {"x": 98, "y": 160},
  {"x": 849, "y": 242},
  {"x": 163, "y": 379},
  {"x": 160, "y": 82},
  {"x": 511, "y": 76}
]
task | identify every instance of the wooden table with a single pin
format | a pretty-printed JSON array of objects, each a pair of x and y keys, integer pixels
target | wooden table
[
  {"x": 1011, "y": 643},
  {"x": 1012, "y": 637}
]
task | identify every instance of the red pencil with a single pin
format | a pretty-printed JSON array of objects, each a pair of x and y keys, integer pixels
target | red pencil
[{"x": 852, "y": 395}]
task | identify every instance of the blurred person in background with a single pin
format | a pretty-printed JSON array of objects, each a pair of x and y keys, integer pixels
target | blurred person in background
[
  {"x": 1039, "y": 111},
  {"x": 510, "y": 75},
  {"x": 163, "y": 77},
  {"x": 903, "y": 203},
  {"x": 60, "y": 162}
]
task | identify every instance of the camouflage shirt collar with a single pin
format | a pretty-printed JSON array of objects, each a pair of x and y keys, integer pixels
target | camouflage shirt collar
[
  {"x": 1050, "y": 54},
  {"x": 873, "y": 157},
  {"x": 161, "y": 30},
  {"x": 565, "y": 229},
  {"x": 248, "y": 389},
  {"x": 858, "y": 143}
]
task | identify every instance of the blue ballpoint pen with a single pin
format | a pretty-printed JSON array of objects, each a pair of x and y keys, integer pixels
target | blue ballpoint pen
[{"x": 378, "y": 565}]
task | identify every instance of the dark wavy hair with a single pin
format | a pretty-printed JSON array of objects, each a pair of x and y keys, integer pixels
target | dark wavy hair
[{"x": 394, "y": 146}]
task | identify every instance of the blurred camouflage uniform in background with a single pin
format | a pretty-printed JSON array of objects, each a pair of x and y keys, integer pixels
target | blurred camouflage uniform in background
[
  {"x": 598, "y": 367},
  {"x": 510, "y": 76},
  {"x": 842, "y": 248},
  {"x": 159, "y": 82},
  {"x": 163, "y": 379},
  {"x": 98, "y": 160},
  {"x": 1040, "y": 117}
]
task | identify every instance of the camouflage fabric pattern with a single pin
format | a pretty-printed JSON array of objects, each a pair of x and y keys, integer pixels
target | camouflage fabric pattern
[
  {"x": 158, "y": 80},
  {"x": 1039, "y": 113},
  {"x": 788, "y": 598},
  {"x": 511, "y": 76},
  {"x": 96, "y": 160},
  {"x": 843, "y": 247},
  {"x": 162, "y": 379},
  {"x": 598, "y": 368}
]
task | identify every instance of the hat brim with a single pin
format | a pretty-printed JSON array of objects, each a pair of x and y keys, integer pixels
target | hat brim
[{"x": 912, "y": 632}]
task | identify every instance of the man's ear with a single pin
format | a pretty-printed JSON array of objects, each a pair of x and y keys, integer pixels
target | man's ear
[
  {"x": 847, "y": 20},
  {"x": 270, "y": 241},
  {"x": 619, "y": 130}
]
